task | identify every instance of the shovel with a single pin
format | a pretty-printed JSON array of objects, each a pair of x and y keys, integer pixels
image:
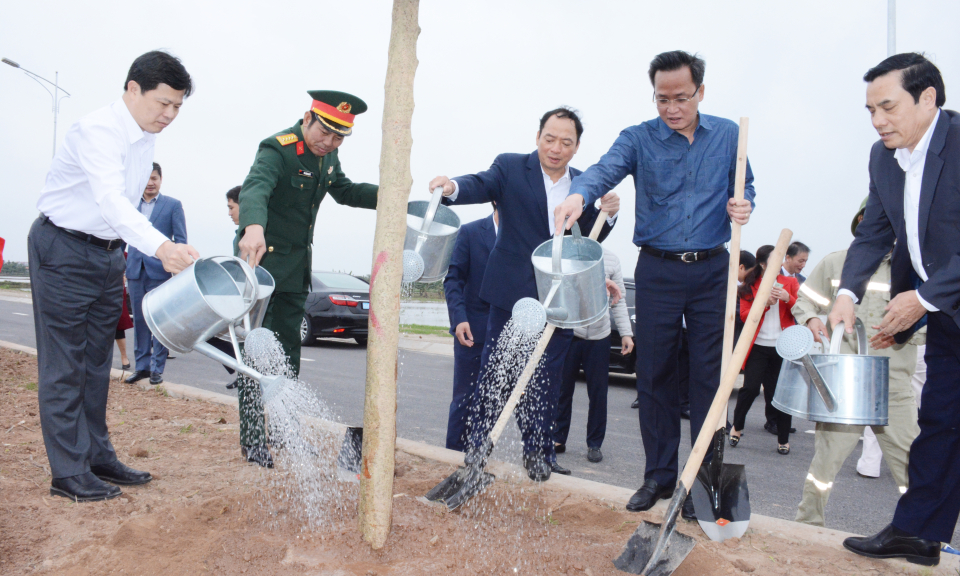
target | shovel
[
  {"x": 470, "y": 479},
  {"x": 655, "y": 549}
]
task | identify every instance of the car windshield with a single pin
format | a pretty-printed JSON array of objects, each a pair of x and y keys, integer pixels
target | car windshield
[{"x": 337, "y": 280}]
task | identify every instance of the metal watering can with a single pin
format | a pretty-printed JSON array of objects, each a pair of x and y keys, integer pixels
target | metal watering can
[
  {"x": 431, "y": 234},
  {"x": 212, "y": 296},
  {"x": 856, "y": 385}
]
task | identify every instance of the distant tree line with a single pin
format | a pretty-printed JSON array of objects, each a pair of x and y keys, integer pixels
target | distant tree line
[
  {"x": 15, "y": 269},
  {"x": 431, "y": 291}
]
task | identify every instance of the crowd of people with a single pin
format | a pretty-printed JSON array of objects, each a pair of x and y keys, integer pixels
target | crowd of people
[{"x": 899, "y": 275}]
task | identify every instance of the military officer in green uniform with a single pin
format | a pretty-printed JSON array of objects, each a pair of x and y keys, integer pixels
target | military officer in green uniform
[{"x": 292, "y": 173}]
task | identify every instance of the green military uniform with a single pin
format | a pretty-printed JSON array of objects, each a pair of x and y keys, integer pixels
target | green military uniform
[
  {"x": 835, "y": 442},
  {"x": 282, "y": 193}
]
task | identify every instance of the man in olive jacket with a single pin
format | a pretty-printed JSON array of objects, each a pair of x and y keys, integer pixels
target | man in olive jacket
[{"x": 293, "y": 171}]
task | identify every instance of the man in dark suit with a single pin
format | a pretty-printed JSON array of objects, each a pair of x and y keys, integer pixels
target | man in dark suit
[
  {"x": 913, "y": 207},
  {"x": 144, "y": 273},
  {"x": 468, "y": 318},
  {"x": 526, "y": 188}
]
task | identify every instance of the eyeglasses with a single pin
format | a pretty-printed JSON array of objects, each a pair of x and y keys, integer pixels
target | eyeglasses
[{"x": 664, "y": 102}]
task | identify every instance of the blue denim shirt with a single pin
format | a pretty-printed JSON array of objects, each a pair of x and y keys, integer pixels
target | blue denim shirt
[{"x": 682, "y": 188}]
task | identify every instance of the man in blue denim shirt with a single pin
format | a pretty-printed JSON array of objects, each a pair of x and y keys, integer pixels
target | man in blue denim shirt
[{"x": 683, "y": 164}]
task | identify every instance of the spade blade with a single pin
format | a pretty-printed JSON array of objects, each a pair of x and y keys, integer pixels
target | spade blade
[
  {"x": 640, "y": 549},
  {"x": 723, "y": 505}
]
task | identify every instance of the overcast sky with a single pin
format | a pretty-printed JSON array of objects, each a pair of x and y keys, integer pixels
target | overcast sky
[{"x": 488, "y": 69}]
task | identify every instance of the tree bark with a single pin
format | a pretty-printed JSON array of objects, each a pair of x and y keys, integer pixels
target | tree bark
[{"x": 380, "y": 404}]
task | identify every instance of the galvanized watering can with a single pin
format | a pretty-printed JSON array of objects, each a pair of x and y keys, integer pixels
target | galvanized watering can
[
  {"x": 431, "y": 234},
  {"x": 856, "y": 384},
  {"x": 265, "y": 286},
  {"x": 570, "y": 280}
]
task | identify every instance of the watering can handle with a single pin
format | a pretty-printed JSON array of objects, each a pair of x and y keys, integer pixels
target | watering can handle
[
  {"x": 558, "y": 248},
  {"x": 432, "y": 209},
  {"x": 837, "y": 338}
]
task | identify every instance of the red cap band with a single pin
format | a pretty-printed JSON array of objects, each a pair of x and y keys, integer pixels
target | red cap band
[{"x": 334, "y": 113}]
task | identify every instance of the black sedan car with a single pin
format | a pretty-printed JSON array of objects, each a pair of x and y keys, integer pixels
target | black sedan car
[
  {"x": 337, "y": 306},
  {"x": 618, "y": 362}
]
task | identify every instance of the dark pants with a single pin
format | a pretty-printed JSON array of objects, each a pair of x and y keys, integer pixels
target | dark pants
[
  {"x": 594, "y": 357},
  {"x": 225, "y": 347},
  {"x": 667, "y": 292},
  {"x": 150, "y": 354},
  {"x": 466, "y": 370},
  {"x": 683, "y": 371},
  {"x": 537, "y": 406},
  {"x": 763, "y": 368},
  {"x": 77, "y": 294},
  {"x": 284, "y": 316},
  {"x": 931, "y": 505}
]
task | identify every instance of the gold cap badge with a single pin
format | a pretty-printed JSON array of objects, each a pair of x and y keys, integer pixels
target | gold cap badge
[{"x": 344, "y": 107}]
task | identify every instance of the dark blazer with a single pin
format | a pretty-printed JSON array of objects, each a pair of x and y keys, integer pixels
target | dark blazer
[
  {"x": 515, "y": 182},
  {"x": 939, "y": 224},
  {"x": 168, "y": 218},
  {"x": 462, "y": 285}
]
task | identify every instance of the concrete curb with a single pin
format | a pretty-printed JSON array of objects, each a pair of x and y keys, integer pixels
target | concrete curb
[{"x": 949, "y": 563}]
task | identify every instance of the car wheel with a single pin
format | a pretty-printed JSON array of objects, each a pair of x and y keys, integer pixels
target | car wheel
[
  {"x": 361, "y": 340},
  {"x": 306, "y": 338}
]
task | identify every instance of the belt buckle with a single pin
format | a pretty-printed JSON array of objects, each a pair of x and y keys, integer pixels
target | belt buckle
[{"x": 692, "y": 255}]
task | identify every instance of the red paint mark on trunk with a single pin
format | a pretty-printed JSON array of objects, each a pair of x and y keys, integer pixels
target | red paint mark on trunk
[
  {"x": 382, "y": 258},
  {"x": 366, "y": 470}
]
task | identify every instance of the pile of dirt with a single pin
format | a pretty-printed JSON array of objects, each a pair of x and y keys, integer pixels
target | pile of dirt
[{"x": 208, "y": 512}]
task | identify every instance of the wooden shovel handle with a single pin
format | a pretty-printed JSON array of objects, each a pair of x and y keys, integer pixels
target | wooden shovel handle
[
  {"x": 732, "y": 273},
  {"x": 521, "y": 386},
  {"x": 733, "y": 368},
  {"x": 598, "y": 225}
]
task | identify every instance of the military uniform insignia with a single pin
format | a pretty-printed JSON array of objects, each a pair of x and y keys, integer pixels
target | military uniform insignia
[
  {"x": 306, "y": 173},
  {"x": 299, "y": 148},
  {"x": 287, "y": 139},
  {"x": 344, "y": 107},
  {"x": 330, "y": 170}
]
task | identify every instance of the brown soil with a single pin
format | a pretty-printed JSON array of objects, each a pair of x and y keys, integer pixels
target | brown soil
[{"x": 208, "y": 512}]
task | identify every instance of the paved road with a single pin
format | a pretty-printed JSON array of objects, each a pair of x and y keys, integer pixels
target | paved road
[{"x": 336, "y": 368}]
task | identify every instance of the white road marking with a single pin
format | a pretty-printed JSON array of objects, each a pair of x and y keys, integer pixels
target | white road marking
[
  {"x": 306, "y": 360},
  {"x": 20, "y": 314},
  {"x": 810, "y": 431}
]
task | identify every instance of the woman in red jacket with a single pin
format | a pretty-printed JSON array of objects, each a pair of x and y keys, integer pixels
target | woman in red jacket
[{"x": 762, "y": 366}]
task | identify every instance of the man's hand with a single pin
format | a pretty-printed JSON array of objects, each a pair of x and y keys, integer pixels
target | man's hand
[
  {"x": 843, "y": 312},
  {"x": 902, "y": 313},
  {"x": 252, "y": 246},
  {"x": 626, "y": 345},
  {"x": 739, "y": 210},
  {"x": 442, "y": 181},
  {"x": 614, "y": 291},
  {"x": 816, "y": 326},
  {"x": 881, "y": 341},
  {"x": 176, "y": 257},
  {"x": 464, "y": 335},
  {"x": 571, "y": 208},
  {"x": 610, "y": 203}
]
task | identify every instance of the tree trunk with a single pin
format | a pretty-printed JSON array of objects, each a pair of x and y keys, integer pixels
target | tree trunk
[{"x": 380, "y": 404}]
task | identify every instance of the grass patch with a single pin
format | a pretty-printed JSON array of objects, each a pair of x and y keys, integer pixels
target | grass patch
[
  {"x": 14, "y": 286},
  {"x": 31, "y": 386},
  {"x": 187, "y": 429},
  {"x": 423, "y": 329}
]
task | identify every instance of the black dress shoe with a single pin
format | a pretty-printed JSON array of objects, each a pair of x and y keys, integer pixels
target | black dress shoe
[
  {"x": 233, "y": 384},
  {"x": 83, "y": 488},
  {"x": 156, "y": 378},
  {"x": 647, "y": 496},
  {"x": 537, "y": 468},
  {"x": 119, "y": 473},
  {"x": 771, "y": 427},
  {"x": 137, "y": 376},
  {"x": 635, "y": 403},
  {"x": 556, "y": 468},
  {"x": 594, "y": 455},
  {"x": 892, "y": 542},
  {"x": 686, "y": 511},
  {"x": 559, "y": 448},
  {"x": 258, "y": 454}
]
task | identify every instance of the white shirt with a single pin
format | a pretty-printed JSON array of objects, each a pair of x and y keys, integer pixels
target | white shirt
[
  {"x": 770, "y": 329},
  {"x": 146, "y": 206},
  {"x": 912, "y": 164},
  {"x": 97, "y": 177},
  {"x": 783, "y": 272}
]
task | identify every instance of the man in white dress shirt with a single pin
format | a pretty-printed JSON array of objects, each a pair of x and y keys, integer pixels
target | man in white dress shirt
[{"x": 88, "y": 208}]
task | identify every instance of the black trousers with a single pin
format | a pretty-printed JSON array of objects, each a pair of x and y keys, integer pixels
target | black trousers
[
  {"x": 77, "y": 294},
  {"x": 762, "y": 369},
  {"x": 594, "y": 357},
  {"x": 931, "y": 505},
  {"x": 667, "y": 292},
  {"x": 466, "y": 373}
]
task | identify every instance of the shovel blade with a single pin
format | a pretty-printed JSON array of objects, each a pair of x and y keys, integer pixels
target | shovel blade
[
  {"x": 348, "y": 461},
  {"x": 640, "y": 549},
  {"x": 462, "y": 485},
  {"x": 723, "y": 504}
]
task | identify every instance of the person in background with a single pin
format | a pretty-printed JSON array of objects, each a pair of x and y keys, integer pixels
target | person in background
[
  {"x": 683, "y": 165},
  {"x": 233, "y": 210},
  {"x": 88, "y": 209},
  {"x": 590, "y": 350},
  {"x": 762, "y": 366},
  {"x": 144, "y": 273},
  {"x": 747, "y": 263},
  {"x": 468, "y": 318},
  {"x": 835, "y": 442},
  {"x": 124, "y": 324},
  {"x": 233, "y": 204}
]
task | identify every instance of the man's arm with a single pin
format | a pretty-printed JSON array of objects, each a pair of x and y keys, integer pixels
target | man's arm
[
  {"x": 255, "y": 194},
  {"x": 453, "y": 286},
  {"x": 599, "y": 179},
  {"x": 473, "y": 188},
  {"x": 346, "y": 192}
]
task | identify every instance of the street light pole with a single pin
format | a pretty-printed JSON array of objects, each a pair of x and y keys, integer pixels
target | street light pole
[{"x": 55, "y": 95}]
